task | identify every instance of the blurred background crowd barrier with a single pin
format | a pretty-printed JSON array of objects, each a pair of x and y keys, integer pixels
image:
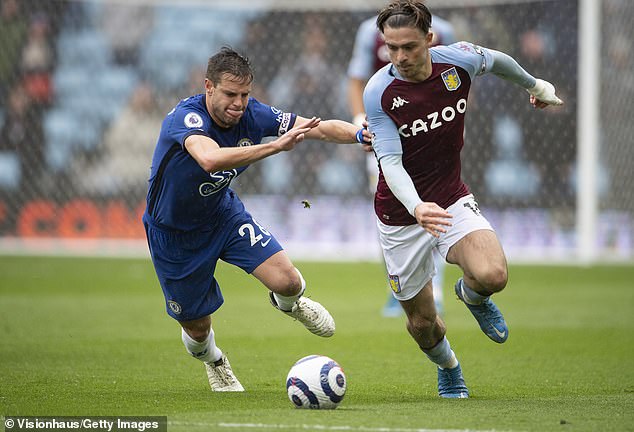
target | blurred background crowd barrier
[{"x": 84, "y": 86}]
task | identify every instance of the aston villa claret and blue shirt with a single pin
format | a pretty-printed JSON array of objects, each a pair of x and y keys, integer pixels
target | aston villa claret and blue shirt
[{"x": 424, "y": 122}]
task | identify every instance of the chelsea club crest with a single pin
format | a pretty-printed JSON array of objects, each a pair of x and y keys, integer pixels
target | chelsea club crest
[{"x": 245, "y": 142}]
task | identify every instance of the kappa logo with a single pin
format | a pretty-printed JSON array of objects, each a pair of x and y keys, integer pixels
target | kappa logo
[{"x": 398, "y": 102}]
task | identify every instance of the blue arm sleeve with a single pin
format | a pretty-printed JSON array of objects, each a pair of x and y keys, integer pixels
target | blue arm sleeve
[
  {"x": 400, "y": 182},
  {"x": 478, "y": 60},
  {"x": 507, "y": 68},
  {"x": 385, "y": 137}
]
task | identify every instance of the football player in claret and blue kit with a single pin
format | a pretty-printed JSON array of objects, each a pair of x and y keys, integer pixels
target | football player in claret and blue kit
[
  {"x": 416, "y": 108},
  {"x": 193, "y": 218},
  {"x": 369, "y": 55}
]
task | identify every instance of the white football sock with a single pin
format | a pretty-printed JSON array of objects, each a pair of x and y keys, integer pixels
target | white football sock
[
  {"x": 470, "y": 296},
  {"x": 442, "y": 355},
  {"x": 205, "y": 351},
  {"x": 287, "y": 303}
]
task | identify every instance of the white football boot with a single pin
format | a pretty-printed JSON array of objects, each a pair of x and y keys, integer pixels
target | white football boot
[
  {"x": 221, "y": 377},
  {"x": 313, "y": 315}
]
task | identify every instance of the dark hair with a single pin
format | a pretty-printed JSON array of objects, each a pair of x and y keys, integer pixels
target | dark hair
[
  {"x": 405, "y": 13},
  {"x": 227, "y": 61}
]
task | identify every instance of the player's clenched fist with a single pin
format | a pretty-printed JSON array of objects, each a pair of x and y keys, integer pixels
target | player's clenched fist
[{"x": 543, "y": 94}]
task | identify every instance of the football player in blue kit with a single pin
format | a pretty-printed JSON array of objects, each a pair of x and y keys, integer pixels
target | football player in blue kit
[
  {"x": 193, "y": 218},
  {"x": 416, "y": 108}
]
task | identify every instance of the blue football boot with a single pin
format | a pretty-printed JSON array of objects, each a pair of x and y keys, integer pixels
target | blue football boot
[
  {"x": 451, "y": 384},
  {"x": 488, "y": 316}
]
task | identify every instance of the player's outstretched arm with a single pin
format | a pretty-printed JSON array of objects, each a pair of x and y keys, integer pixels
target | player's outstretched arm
[
  {"x": 212, "y": 158},
  {"x": 297, "y": 134},
  {"x": 338, "y": 131},
  {"x": 542, "y": 92}
]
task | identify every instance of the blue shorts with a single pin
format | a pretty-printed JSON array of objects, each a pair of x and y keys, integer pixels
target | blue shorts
[{"x": 185, "y": 262}]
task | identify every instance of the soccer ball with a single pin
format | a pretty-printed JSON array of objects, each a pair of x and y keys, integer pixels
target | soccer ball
[{"x": 316, "y": 382}]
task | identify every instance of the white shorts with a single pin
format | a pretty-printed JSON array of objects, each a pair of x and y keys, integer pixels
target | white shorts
[{"x": 408, "y": 249}]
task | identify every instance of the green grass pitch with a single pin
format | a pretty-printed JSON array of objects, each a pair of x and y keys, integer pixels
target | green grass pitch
[{"x": 89, "y": 337}]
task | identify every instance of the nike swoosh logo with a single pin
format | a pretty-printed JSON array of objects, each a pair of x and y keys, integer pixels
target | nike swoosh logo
[
  {"x": 499, "y": 333},
  {"x": 266, "y": 242}
]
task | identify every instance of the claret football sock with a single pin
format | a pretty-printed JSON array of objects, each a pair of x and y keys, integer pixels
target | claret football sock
[{"x": 205, "y": 351}]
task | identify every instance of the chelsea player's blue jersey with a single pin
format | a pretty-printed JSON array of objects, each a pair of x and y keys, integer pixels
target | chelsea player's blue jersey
[{"x": 184, "y": 197}]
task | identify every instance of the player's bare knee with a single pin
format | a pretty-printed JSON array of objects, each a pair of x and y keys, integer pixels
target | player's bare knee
[
  {"x": 197, "y": 329},
  {"x": 426, "y": 331},
  {"x": 289, "y": 282},
  {"x": 199, "y": 334},
  {"x": 421, "y": 325},
  {"x": 495, "y": 280}
]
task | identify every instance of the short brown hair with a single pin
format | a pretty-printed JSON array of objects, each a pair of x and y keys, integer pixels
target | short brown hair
[
  {"x": 405, "y": 13},
  {"x": 228, "y": 61}
]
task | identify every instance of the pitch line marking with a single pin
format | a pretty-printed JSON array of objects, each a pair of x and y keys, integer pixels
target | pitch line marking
[
  {"x": 310, "y": 427},
  {"x": 339, "y": 428}
]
